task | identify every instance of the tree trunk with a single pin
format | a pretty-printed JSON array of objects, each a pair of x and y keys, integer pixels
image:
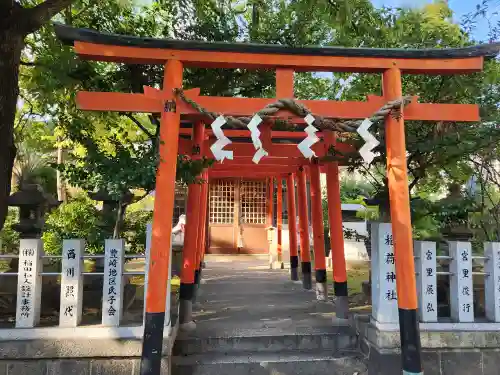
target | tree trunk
[
  {"x": 61, "y": 186},
  {"x": 120, "y": 215},
  {"x": 11, "y": 44}
]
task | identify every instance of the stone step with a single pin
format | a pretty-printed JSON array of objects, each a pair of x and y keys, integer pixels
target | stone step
[
  {"x": 343, "y": 338},
  {"x": 289, "y": 363}
]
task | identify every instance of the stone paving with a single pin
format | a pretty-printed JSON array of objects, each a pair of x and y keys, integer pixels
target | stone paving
[
  {"x": 241, "y": 293},
  {"x": 255, "y": 321}
]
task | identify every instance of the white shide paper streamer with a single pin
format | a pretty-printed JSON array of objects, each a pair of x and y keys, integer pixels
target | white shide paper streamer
[
  {"x": 222, "y": 141},
  {"x": 371, "y": 142},
  {"x": 253, "y": 126},
  {"x": 305, "y": 146}
]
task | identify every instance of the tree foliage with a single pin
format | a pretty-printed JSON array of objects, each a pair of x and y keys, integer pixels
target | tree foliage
[{"x": 119, "y": 152}]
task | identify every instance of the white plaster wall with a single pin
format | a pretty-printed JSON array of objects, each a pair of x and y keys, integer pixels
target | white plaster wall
[{"x": 353, "y": 250}]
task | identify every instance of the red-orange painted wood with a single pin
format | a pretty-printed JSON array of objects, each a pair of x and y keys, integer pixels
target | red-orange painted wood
[
  {"x": 270, "y": 201},
  {"x": 203, "y": 217},
  {"x": 317, "y": 218},
  {"x": 399, "y": 197},
  {"x": 120, "y": 102},
  {"x": 284, "y": 83},
  {"x": 249, "y": 174},
  {"x": 335, "y": 214},
  {"x": 234, "y": 133},
  {"x": 192, "y": 238},
  {"x": 279, "y": 217},
  {"x": 303, "y": 216},
  {"x": 276, "y": 150},
  {"x": 197, "y": 149},
  {"x": 277, "y": 169},
  {"x": 164, "y": 200},
  {"x": 292, "y": 214},
  {"x": 246, "y": 161},
  {"x": 208, "y": 59}
]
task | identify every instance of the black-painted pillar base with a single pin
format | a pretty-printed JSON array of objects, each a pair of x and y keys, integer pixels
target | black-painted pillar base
[
  {"x": 197, "y": 277},
  {"x": 321, "y": 286},
  {"x": 341, "y": 299},
  {"x": 410, "y": 341},
  {"x": 152, "y": 344},
  {"x": 294, "y": 265},
  {"x": 306, "y": 275},
  {"x": 186, "y": 294}
]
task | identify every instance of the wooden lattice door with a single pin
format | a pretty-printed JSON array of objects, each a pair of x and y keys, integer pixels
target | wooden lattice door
[
  {"x": 237, "y": 216},
  {"x": 222, "y": 216},
  {"x": 253, "y": 202}
]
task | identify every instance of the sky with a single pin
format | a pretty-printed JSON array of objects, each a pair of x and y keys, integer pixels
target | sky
[{"x": 459, "y": 7}]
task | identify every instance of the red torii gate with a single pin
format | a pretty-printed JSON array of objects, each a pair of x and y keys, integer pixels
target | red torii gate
[{"x": 176, "y": 55}]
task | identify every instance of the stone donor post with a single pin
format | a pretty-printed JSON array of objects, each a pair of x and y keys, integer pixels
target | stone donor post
[
  {"x": 112, "y": 296},
  {"x": 384, "y": 296},
  {"x": 492, "y": 280},
  {"x": 29, "y": 283},
  {"x": 461, "y": 291},
  {"x": 426, "y": 280},
  {"x": 70, "y": 313}
]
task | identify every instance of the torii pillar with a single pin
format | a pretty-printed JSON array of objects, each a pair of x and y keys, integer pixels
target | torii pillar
[
  {"x": 292, "y": 227},
  {"x": 399, "y": 196},
  {"x": 156, "y": 295},
  {"x": 279, "y": 220},
  {"x": 336, "y": 231},
  {"x": 201, "y": 238},
  {"x": 190, "y": 261},
  {"x": 318, "y": 232},
  {"x": 305, "y": 251}
]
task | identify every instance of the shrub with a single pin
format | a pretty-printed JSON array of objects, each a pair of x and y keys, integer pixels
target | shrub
[
  {"x": 134, "y": 230},
  {"x": 9, "y": 238},
  {"x": 78, "y": 218}
]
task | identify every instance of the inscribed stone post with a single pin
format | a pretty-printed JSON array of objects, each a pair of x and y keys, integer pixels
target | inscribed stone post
[
  {"x": 492, "y": 281},
  {"x": 461, "y": 297},
  {"x": 70, "y": 313},
  {"x": 426, "y": 280},
  {"x": 384, "y": 296},
  {"x": 112, "y": 298},
  {"x": 29, "y": 283}
]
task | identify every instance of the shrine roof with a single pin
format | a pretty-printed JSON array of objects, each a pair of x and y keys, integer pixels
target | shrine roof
[{"x": 69, "y": 35}]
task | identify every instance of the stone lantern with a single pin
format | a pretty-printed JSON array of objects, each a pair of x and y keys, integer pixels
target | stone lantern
[
  {"x": 109, "y": 210},
  {"x": 109, "y": 203},
  {"x": 33, "y": 204},
  {"x": 456, "y": 219}
]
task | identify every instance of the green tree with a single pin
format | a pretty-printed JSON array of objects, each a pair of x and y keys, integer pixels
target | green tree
[{"x": 18, "y": 19}]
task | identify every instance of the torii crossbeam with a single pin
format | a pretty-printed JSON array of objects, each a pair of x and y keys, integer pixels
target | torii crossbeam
[{"x": 176, "y": 55}]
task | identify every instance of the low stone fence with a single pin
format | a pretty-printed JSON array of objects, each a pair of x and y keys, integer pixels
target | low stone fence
[
  {"x": 459, "y": 321},
  {"x": 112, "y": 345}
]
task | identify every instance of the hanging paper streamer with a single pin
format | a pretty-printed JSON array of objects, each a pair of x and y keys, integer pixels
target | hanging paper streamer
[
  {"x": 253, "y": 126},
  {"x": 371, "y": 142},
  {"x": 311, "y": 139},
  {"x": 222, "y": 141}
]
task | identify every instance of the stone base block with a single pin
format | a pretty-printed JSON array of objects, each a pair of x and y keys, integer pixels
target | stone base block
[
  {"x": 341, "y": 307},
  {"x": 444, "y": 352},
  {"x": 321, "y": 291}
]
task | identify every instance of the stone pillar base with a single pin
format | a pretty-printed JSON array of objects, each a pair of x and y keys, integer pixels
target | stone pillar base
[
  {"x": 341, "y": 306},
  {"x": 321, "y": 291},
  {"x": 446, "y": 349},
  {"x": 185, "y": 312},
  {"x": 187, "y": 327}
]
